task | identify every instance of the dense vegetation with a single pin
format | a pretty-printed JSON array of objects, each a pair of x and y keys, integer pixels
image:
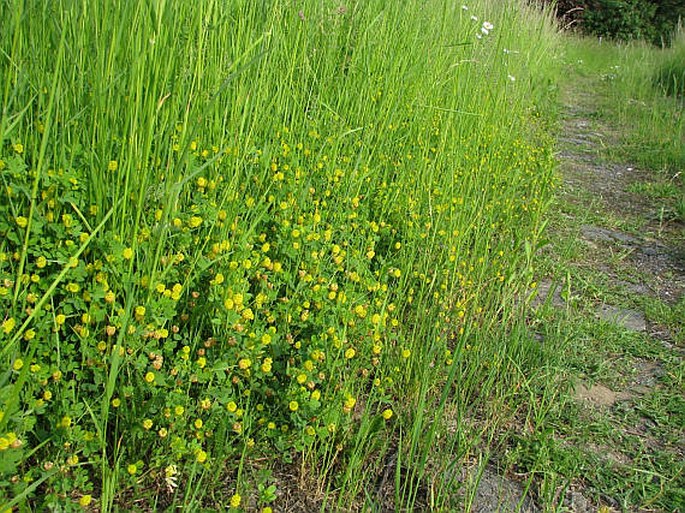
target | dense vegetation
[
  {"x": 250, "y": 250},
  {"x": 238, "y": 231},
  {"x": 650, "y": 20}
]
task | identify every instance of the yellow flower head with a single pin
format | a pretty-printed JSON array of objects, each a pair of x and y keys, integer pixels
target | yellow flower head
[
  {"x": 8, "y": 325},
  {"x": 349, "y": 402},
  {"x": 201, "y": 456}
]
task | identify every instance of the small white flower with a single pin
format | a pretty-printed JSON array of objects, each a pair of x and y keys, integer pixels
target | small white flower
[
  {"x": 474, "y": 18},
  {"x": 487, "y": 25},
  {"x": 512, "y": 78},
  {"x": 171, "y": 478},
  {"x": 506, "y": 51},
  {"x": 484, "y": 31},
  {"x": 478, "y": 36},
  {"x": 464, "y": 8}
]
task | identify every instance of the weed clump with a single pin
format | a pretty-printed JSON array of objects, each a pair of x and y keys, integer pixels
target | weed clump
[{"x": 670, "y": 76}]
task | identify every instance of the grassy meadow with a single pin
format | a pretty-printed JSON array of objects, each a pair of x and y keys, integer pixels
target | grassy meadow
[{"x": 255, "y": 252}]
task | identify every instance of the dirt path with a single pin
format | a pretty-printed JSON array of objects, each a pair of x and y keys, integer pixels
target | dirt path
[
  {"x": 619, "y": 276},
  {"x": 656, "y": 246}
]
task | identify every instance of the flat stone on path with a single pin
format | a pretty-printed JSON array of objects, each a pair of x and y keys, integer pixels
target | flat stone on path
[
  {"x": 598, "y": 395},
  {"x": 596, "y": 233},
  {"x": 629, "y": 319},
  {"x": 577, "y": 503},
  {"x": 499, "y": 494},
  {"x": 635, "y": 288}
]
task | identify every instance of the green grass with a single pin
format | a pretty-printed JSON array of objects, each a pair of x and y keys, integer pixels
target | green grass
[
  {"x": 626, "y": 454},
  {"x": 623, "y": 455},
  {"x": 670, "y": 75},
  {"x": 241, "y": 237},
  {"x": 639, "y": 85},
  {"x": 264, "y": 256}
]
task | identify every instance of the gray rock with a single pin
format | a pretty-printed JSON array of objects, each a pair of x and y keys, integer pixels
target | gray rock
[
  {"x": 597, "y": 233},
  {"x": 548, "y": 292},
  {"x": 497, "y": 494},
  {"x": 636, "y": 288},
  {"x": 625, "y": 317}
]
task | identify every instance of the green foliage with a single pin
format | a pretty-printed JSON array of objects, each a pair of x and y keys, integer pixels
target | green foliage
[
  {"x": 231, "y": 234},
  {"x": 667, "y": 20},
  {"x": 619, "y": 19},
  {"x": 650, "y": 20},
  {"x": 670, "y": 75}
]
